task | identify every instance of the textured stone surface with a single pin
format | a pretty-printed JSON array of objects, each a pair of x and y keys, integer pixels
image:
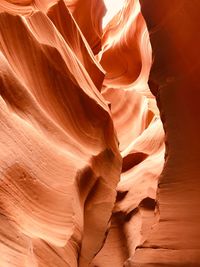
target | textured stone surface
[{"x": 88, "y": 118}]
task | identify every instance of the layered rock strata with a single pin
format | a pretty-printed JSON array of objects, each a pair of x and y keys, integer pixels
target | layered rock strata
[{"x": 81, "y": 134}]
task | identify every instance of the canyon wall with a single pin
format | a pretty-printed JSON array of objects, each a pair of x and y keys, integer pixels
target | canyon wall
[{"x": 99, "y": 134}]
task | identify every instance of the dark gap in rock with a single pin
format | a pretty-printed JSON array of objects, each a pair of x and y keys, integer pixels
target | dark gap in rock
[{"x": 132, "y": 160}]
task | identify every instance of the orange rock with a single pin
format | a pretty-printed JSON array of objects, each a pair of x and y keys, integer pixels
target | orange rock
[{"x": 60, "y": 163}]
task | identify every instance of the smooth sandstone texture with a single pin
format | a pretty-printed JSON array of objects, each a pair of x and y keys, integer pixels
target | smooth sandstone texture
[
  {"x": 60, "y": 163},
  {"x": 173, "y": 29},
  {"x": 125, "y": 46},
  {"x": 82, "y": 144},
  {"x": 67, "y": 26},
  {"x": 141, "y": 139}
]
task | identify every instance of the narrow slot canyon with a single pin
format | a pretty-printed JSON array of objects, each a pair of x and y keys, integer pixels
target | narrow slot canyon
[{"x": 99, "y": 133}]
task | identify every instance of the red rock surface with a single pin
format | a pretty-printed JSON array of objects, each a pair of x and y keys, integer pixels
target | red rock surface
[
  {"x": 60, "y": 163},
  {"x": 82, "y": 145}
]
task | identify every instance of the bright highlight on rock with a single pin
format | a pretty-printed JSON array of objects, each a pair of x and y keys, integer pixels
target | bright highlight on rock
[
  {"x": 88, "y": 117},
  {"x": 112, "y": 6}
]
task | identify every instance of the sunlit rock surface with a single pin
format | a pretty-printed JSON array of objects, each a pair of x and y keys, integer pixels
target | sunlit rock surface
[
  {"x": 82, "y": 141},
  {"x": 60, "y": 162}
]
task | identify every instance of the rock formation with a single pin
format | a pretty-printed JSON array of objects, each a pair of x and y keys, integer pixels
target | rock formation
[{"x": 88, "y": 118}]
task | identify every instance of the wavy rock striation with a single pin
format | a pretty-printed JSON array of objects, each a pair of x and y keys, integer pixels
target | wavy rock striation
[
  {"x": 82, "y": 145},
  {"x": 60, "y": 162}
]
